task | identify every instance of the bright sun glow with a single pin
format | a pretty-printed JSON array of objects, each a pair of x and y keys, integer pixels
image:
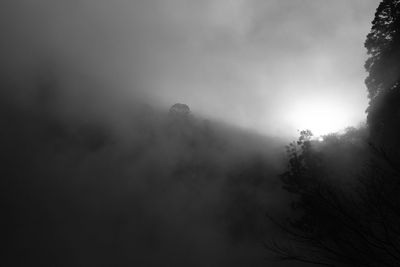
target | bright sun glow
[{"x": 319, "y": 117}]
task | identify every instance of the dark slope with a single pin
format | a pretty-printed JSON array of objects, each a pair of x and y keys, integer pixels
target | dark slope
[{"x": 151, "y": 190}]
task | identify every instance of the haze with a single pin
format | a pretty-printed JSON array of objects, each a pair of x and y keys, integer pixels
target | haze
[
  {"x": 159, "y": 132},
  {"x": 256, "y": 64}
]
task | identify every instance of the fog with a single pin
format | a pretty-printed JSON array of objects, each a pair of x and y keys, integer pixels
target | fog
[
  {"x": 253, "y": 64},
  {"x": 97, "y": 170},
  {"x": 155, "y": 188}
]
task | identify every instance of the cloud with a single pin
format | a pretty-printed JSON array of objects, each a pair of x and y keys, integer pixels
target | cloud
[{"x": 239, "y": 61}]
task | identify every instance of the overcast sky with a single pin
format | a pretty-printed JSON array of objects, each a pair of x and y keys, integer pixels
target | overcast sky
[{"x": 271, "y": 65}]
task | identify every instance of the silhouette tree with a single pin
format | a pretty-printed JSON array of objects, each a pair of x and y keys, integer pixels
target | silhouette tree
[
  {"x": 358, "y": 226},
  {"x": 383, "y": 67},
  {"x": 332, "y": 226}
]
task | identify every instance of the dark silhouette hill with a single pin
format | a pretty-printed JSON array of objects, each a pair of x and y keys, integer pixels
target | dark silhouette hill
[{"x": 150, "y": 190}]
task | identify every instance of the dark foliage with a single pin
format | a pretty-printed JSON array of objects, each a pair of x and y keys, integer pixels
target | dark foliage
[
  {"x": 336, "y": 225},
  {"x": 356, "y": 224},
  {"x": 383, "y": 47}
]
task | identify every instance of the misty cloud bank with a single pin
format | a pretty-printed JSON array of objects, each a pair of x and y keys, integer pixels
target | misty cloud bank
[
  {"x": 96, "y": 171},
  {"x": 231, "y": 60}
]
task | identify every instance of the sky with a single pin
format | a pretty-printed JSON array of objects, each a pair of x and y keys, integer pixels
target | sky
[{"x": 272, "y": 66}]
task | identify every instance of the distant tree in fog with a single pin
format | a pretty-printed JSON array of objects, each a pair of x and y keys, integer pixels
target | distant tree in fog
[{"x": 179, "y": 109}]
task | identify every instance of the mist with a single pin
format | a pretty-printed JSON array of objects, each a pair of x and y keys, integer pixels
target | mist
[
  {"x": 98, "y": 169},
  {"x": 232, "y": 61},
  {"x": 155, "y": 188}
]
